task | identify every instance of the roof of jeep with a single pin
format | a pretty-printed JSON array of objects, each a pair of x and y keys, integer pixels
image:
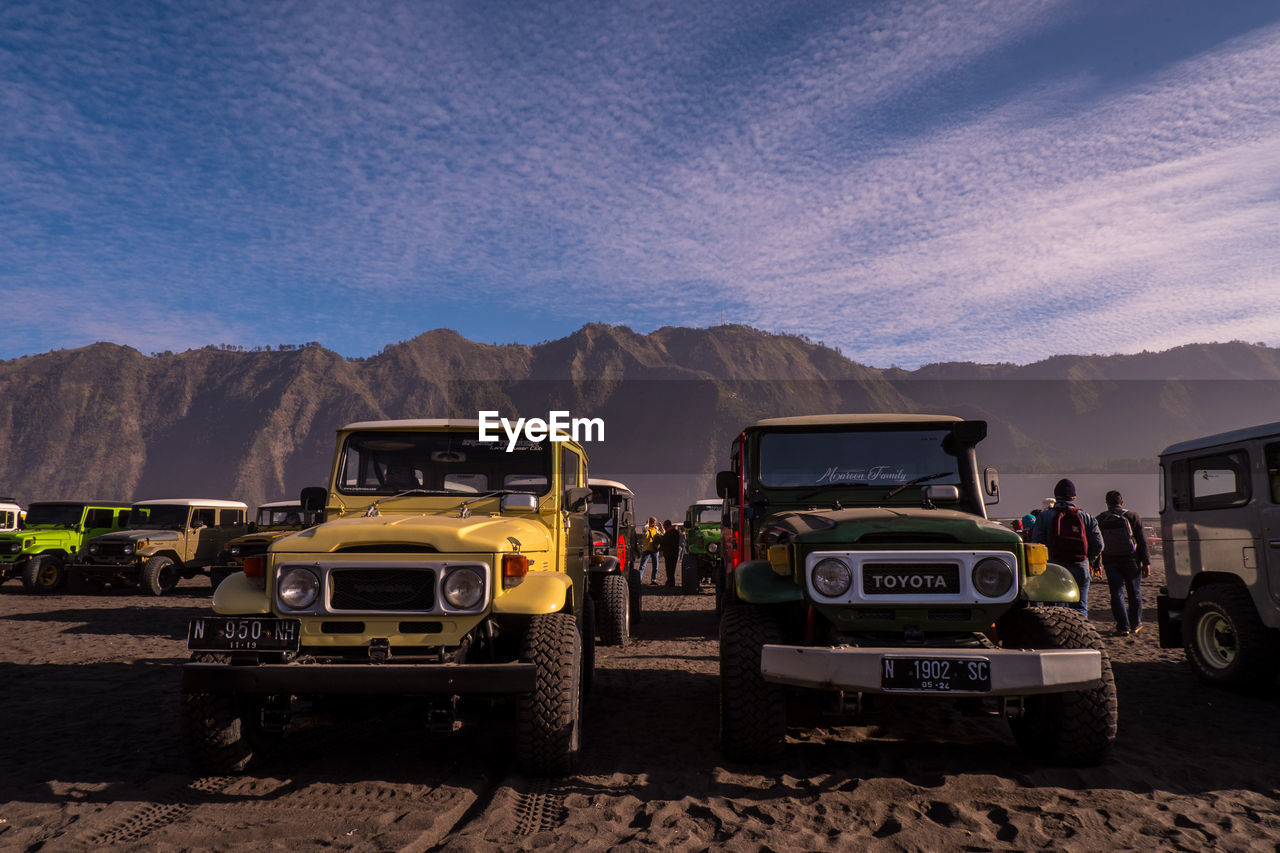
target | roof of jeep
[
  {"x": 410, "y": 423},
  {"x": 276, "y": 504},
  {"x": 194, "y": 502},
  {"x": 1235, "y": 435},
  {"x": 111, "y": 504},
  {"x": 852, "y": 420},
  {"x": 613, "y": 484},
  {"x": 708, "y": 502}
]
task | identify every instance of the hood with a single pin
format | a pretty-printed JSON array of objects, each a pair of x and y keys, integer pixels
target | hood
[
  {"x": 34, "y": 533},
  {"x": 138, "y": 535},
  {"x": 891, "y": 525},
  {"x": 446, "y": 534},
  {"x": 262, "y": 537}
]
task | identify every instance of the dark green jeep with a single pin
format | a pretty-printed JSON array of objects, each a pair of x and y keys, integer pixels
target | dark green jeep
[
  {"x": 862, "y": 562},
  {"x": 703, "y": 559}
]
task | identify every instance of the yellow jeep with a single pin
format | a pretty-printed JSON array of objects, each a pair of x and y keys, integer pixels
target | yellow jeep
[{"x": 447, "y": 569}]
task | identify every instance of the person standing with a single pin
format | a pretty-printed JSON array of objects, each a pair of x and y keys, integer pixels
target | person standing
[
  {"x": 670, "y": 550},
  {"x": 1125, "y": 560},
  {"x": 650, "y": 539},
  {"x": 1072, "y": 537}
]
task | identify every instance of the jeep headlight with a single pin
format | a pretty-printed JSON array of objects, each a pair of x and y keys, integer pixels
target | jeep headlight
[
  {"x": 94, "y": 547},
  {"x": 128, "y": 549},
  {"x": 992, "y": 577},
  {"x": 13, "y": 547},
  {"x": 234, "y": 550},
  {"x": 299, "y": 588},
  {"x": 712, "y": 547},
  {"x": 463, "y": 588},
  {"x": 832, "y": 577}
]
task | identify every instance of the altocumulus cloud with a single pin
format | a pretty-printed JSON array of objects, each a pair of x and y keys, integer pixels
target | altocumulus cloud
[{"x": 913, "y": 181}]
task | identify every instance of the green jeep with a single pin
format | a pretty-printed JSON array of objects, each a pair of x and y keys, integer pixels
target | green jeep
[
  {"x": 53, "y": 532},
  {"x": 275, "y": 519},
  {"x": 447, "y": 571},
  {"x": 863, "y": 563},
  {"x": 165, "y": 541},
  {"x": 702, "y": 556}
]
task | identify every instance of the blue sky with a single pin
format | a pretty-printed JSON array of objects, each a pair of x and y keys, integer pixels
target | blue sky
[{"x": 911, "y": 181}]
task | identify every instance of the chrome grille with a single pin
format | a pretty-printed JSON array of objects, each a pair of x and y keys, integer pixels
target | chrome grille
[{"x": 910, "y": 578}]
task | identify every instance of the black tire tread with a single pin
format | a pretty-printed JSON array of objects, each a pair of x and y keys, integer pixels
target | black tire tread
[
  {"x": 547, "y": 718},
  {"x": 753, "y": 712},
  {"x": 149, "y": 576},
  {"x": 1258, "y": 646},
  {"x": 613, "y": 611},
  {"x": 31, "y": 575}
]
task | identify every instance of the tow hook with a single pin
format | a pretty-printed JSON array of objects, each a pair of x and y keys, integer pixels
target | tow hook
[{"x": 379, "y": 649}]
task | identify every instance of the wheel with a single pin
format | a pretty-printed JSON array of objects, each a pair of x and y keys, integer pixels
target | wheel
[
  {"x": 1074, "y": 728},
  {"x": 1226, "y": 642},
  {"x": 753, "y": 712},
  {"x": 217, "y": 730},
  {"x": 548, "y": 719},
  {"x": 44, "y": 574},
  {"x": 217, "y": 574},
  {"x": 633, "y": 588},
  {"x": 717, "y": 578},
  {"x": 614, "y": 611},
  {"x": 690, "y": 574},
  {"x": 159, "y": 576}
]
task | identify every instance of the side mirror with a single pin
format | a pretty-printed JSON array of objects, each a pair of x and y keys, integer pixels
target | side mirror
[
  {"x": 727, "y": 485},
  {"x": 313, "y": 498},
  {"x": 519, "y": 503},
  {"x": 576, "y": 498},
  {"x": 991, "y": 483},
  {"x": 252, "y": 528},
  {"x": 628, "y": 519},
  {"x": 942, "y": 494}
]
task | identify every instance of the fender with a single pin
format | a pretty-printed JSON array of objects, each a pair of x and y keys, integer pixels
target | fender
[
  {"x": 1055, "y": 584},
  {"x": 601, "y": 563},
  {"x": 756, "y": 582},
  {"x": 239, "y": 596},
  {"x": 541, "y": 592}
]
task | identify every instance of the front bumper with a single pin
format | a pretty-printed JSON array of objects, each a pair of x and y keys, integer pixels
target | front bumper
[
  {"x": 93, "y": 569},
  {"x": 1013, "y": 672},
  {"x": 361, "y": 678}
]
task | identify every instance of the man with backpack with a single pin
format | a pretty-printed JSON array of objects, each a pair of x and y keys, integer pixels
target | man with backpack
[
  {"x": 1126, "y": 562},
  {"x": 1072, "y": 537}
]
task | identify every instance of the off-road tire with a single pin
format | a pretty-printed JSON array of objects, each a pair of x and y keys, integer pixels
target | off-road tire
[
  {"x": 214, "y": 733},
  {"x": 613, "y": 611},
  {"x": 1226, "y": 643},
  {"x": 634, "y": 594},
  {"x": 548, "y": 720},
  {"x": 689, "y": 574},
  {"x": 44, "y": 574},
  {"x": 1076, "y": 728},
  {"x": 753, "y": 712},
  {"x": 159, "y": 576}
]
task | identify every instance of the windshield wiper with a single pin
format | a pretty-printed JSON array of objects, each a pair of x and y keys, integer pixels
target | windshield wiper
[
  {"x": 813, "y": 492},
  {"x": 372, "y": 511},
  {"x": 465, "y": 512},
  {"x": 917, "y": 481}
]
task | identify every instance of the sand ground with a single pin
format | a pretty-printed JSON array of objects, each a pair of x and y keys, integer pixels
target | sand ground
[{"x": 91, "y": 758}]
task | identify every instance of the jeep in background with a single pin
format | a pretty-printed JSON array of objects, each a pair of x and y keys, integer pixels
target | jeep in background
[
  {"x": 11, "y": 515},
  {"x": 1220, "y": 530},
  {"x": 275, "y": 519},
  {"x": 612, "y": 579},
  {"x": 51, "y": 535},
  {"x": 702, "y": 554},
  {"x": 447, "y": 571},
  {"x": 863, "y": 563},
  {"x": 165, "y": 542}
]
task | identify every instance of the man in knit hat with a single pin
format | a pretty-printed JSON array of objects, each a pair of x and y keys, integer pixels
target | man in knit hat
[{"x": 1072, "y": 536}]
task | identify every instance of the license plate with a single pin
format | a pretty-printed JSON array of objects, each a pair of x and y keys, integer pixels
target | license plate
[
  {"x": 943, "y": 675},
  {"x": 240, "y": 633}
]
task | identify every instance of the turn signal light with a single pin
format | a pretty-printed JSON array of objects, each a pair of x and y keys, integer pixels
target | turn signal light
[
  {"x": 514, "y": 568},
  {"x": 1037, "y": 558},
  {"x": 256, "y": 566}
]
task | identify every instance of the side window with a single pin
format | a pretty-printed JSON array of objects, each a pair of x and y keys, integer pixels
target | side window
[
  {"x": 97, "y": 517},
  {"x": 1211, "y": 482},
  {"x": 569, "y": 469},
  {"x": 230, "y": 517},
  {"x": 1273, "y": 471},
  {"x": 124, "y": 518},
  {"x": 207, "y": 517}
]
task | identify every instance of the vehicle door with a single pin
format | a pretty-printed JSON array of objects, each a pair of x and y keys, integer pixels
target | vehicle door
[
  {"x": 202, "y": 535},
  {"x": 576, "y": 529},
  {"x": 97, "y": 521},
  {"x": 1269, "y": 504},
  {"x": 1214, "y": 527}
]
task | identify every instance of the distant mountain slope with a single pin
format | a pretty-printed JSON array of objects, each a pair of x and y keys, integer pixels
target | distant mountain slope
[{"x": 107, "y": 421}]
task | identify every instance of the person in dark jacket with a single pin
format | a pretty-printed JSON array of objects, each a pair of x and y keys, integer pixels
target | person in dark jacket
[
  {"x": 670, "y": 550},
  {"x": 1126, "y": 561},
  {"x": 1046, "y": 533}
]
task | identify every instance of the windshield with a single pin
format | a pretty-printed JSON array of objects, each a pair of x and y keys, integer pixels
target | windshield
[
  {"x": 707, "y": 513},
  {"x": 158, "y": 516},
  {"x": 388, "y": 463},
  {"x": 56, "y": 515},
  {"x": 880, "y": 459},
  {"x": 285, "y": 516}
]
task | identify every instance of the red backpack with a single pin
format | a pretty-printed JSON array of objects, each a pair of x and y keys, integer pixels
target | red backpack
[{"x": 1068, "y": 542}]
